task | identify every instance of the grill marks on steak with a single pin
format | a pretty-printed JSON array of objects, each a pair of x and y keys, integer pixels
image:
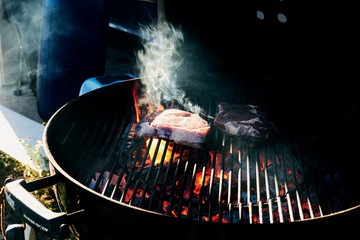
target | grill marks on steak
[
  {"x": 179, "y": 126},
  {"x": 243, "y": 120}
]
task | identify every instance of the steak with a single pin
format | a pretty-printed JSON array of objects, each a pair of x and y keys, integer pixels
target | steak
[
  {"x": 243, "y": 120},
  {"x": 179, "y": 126}
]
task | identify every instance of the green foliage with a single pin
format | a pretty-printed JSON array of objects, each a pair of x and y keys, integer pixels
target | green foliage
[
  {"x": 36, "y": 156},
  {"x": 9, "y": 168}
]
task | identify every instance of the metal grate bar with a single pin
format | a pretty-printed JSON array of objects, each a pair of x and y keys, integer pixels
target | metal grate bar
[
  {"x": 183, "y": 184},
  {"x": 287, "y": 193},
  {"x": 132, "y": 175},
  {"x": 125, "y": 170},
  {"x": 156, "y": 182},
  {"x": 149, "y": 170},
  {"x": 267, "y": 187},
  {"x": 220, "y": 193},
  {"x": 167, "y": 176},
  {"x": 298, "y": 188},
  {"x": 122, "y": 134},
  {"x": 259, "y": 202},
  {"x": 175, "y": 177},
  {"x": 102, "y": 144},
  {"x": 113, "y": 147},
  {"x": 239, "y": 189},
  {"x": 248, "y": 186},
  {"x": 277, "y": 192},
  {"x": 192, "y": 185},
  {"x": 203, "y": 179},
  {"x": 212, "y": 176},
  {"x": 230, "y": 183}
]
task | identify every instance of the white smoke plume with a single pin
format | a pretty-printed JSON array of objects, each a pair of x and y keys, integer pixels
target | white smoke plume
[{"x": 159, "y": 62}]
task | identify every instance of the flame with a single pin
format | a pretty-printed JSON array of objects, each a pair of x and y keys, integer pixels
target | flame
[
  {"x": 135, "y": 93},
  {"x": 150, "y": 107},
  {"x": 160, "y": 107},
  {"x": 161, "y": 151}
]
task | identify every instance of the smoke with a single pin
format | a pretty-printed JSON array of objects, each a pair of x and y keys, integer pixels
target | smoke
[
  {"x": 20, "y": 24},
  {"x": 160, "y": 62}
]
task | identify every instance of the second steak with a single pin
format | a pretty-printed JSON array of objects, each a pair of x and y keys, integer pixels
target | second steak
[{"x": 243, "y": 120}]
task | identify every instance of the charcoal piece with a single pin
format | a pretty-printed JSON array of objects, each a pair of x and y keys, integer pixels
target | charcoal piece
[
  {"x": 172, "y": 124},
  {"x": 243, "y": 120}
]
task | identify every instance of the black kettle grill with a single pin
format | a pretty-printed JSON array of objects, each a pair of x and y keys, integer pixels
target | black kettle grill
[
  {"x": 107, "y": 177},
  {"x": 110, "y": 182}
]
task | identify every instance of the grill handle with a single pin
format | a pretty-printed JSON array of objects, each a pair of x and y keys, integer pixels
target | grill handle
[{"x": 31, "y": 210}]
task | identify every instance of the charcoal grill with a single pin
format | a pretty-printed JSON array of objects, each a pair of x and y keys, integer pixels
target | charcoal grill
[
  {"x": 231, "y": 180},
  {"x": 108, "y": 177},
  {"x": 112, "y": 184}
]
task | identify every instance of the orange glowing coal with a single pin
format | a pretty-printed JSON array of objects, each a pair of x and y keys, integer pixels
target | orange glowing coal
[{"x": 215, "y": 219}]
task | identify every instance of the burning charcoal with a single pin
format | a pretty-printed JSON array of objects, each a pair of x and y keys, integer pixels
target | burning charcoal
[
  {"x": 176, "y": 125},
  {"x": 243, "y": 120},
  {"x": 213, "y": 197}
]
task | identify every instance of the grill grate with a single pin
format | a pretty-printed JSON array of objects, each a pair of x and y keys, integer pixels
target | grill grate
[{"x": 231, "y": 180}]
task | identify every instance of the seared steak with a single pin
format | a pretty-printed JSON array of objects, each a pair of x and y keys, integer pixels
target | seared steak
[
  {"x": 176, "y": 125},
  {"x": 243, "y": 120}
]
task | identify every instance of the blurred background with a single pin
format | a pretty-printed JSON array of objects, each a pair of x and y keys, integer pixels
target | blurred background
[{"x": 49, "y": 47}]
